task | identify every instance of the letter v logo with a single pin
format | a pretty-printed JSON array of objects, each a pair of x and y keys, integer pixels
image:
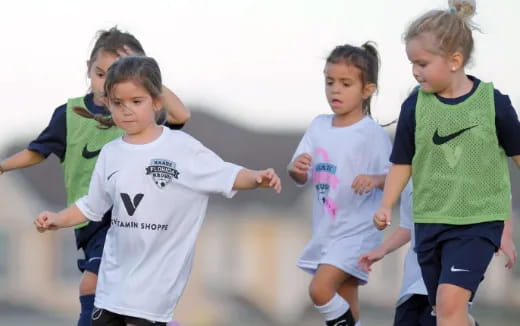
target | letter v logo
[{"x": 131, "y": 205}]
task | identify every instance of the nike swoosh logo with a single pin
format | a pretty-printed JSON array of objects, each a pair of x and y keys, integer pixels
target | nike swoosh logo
[
  {"x": 111, "y": 174},
  {"x": 88, "y": 154},
  {"x": 453, "y": 269},
  {"x": 439, "y": 140}
]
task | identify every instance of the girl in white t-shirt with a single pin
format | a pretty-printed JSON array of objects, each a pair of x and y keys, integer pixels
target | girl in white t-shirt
[
  {"x": 158, "y": 182},
  {"x": 345, "y": 154}
]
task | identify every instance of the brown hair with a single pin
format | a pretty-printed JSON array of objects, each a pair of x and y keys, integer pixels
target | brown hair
[
  {"x": 451, "y": 29},
  {"x": 114, "y": 40},
  {"x": 144, "y": 71},
  {"x": 365, "y": 58}
]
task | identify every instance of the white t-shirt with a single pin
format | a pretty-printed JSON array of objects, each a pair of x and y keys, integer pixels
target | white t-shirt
[
  {"x": 412, "y": 278},
  {"x": 342, "y": 227},
  {"x": 159, "y": 193}
]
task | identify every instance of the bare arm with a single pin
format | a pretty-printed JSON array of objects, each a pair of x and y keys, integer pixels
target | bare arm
[
  {"x": 68, "y": 217},
  {"x": 395, "y": 241},
  {"x": 176, "y": 112},
  {"x": 396, "y": 180},
  {"x": 21, "y": 160},
  {"x": 250, "y": 179}
]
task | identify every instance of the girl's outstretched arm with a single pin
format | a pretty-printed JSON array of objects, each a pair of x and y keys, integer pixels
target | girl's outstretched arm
[
  {"x": 251, "y": 179},
  {"x": 68, "y": 217},
  {"x": 396, "y": 180},
  {"x": 176, "y": 112},
  {"x": 395, "y": 241},
  {"x": 21, "y": 160}
]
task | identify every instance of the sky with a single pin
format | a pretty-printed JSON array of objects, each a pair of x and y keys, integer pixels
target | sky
[{"x": 257, "y": 63}]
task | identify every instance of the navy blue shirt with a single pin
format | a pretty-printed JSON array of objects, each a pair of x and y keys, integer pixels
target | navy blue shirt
[
  {"x": 428, "y": 235},
  {"x": 53, "y": 139}
]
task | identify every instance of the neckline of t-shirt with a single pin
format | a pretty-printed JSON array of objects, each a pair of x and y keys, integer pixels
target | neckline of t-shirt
[
  {"x": 355, "y": 125},
  {"x": 153, "y": 143},
  {"x": 88, "y": 100},
  {"x": 460, "y": 99}
]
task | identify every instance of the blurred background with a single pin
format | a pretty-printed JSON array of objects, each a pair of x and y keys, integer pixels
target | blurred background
[{"x": 251, "y": 72}]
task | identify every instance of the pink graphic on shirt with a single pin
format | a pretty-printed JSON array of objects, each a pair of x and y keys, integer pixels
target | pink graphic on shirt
[
  {"x": 323, "y": 153},
  {"x": 324, "y": 177}
]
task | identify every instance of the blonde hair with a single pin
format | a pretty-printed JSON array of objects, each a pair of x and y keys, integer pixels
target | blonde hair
[{"x": 451, "y": 29}]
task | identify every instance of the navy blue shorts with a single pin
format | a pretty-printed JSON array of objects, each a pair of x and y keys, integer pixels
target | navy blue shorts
[
  {"x": 101, "y": 317},
  {"x": 93, "y": 250},
  {"x": 416, "y": 311},
  {"x": 458, "y": 261}
]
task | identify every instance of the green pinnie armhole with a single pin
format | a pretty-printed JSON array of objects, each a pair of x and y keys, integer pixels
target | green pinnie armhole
[{"x": 84, "y": 142}]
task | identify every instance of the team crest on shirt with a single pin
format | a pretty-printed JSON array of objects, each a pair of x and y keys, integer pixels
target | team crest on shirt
[
  {"x": 162, "y": 172},
  {"x": 324, "y": 179}
]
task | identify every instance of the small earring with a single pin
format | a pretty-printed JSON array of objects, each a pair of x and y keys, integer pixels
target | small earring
[{"x": 452, "y": 68}]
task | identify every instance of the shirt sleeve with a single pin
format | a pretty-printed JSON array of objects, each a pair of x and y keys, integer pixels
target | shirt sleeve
[
  {"x": 384, "y": 148},
  {"x": 405, "y": 208},
  {"x": 53, "y": 139},
  {"x": 97, "y": 202},
  {"x": 404, "y": 143},
  {"x": 507, "y": 124},
  {"x": 174, "y": 126},
  {"x": 208, "y": 173}
]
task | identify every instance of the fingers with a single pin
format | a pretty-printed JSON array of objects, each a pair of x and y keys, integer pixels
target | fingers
[
  {"x": 302, "y": 164},
  {"x": 39, "y": 226},
  {"x": 275, "y": 181},
  {"x": 45, "y": 222},
  {"x": 300, "y": 167},
  {"x": 125, "y": 51},
  {"x": 364, "y": 263},
  {"x": 41, "y": 222},
  {"x": 511, "y": 258},
  {"x": 272, "y": 178},
  {"x": 381, "y": 221},
  {"x": 362, "y": 184}
]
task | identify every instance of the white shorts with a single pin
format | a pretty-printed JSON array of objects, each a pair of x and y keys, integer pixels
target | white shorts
[{"x": 344, "y": 254}]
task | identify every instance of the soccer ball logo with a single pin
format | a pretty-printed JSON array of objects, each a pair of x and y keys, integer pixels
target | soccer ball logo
[{"x": 162, "y": 172}]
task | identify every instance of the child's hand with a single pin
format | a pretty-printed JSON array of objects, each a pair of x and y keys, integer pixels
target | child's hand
[
  {"x": 363, "y": 184},
  {"x": 365, "y": 261},
  {"x": 45, "y": 221},
  {"x": 301, "y": 164},
  {"x": 268, "y": 179},
  {"x": 125, "y": 51},
  {"x": 383, "y": 218},
  {"x": 507, "y": 246}
]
